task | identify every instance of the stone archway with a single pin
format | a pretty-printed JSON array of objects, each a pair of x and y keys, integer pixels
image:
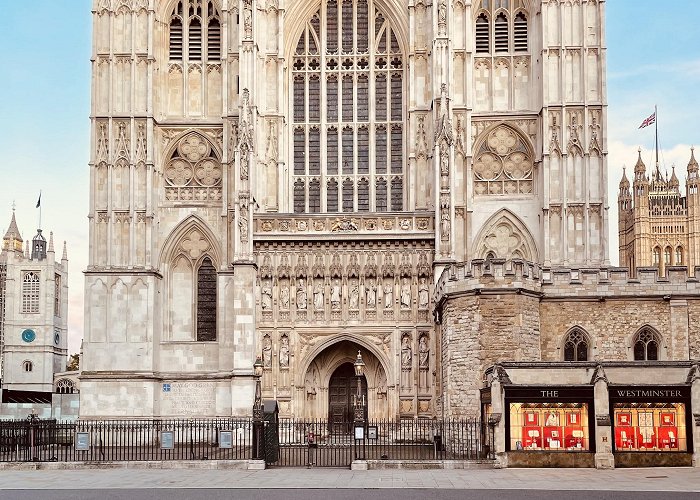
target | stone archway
[
  {"x": 336, "y": 360},
  {"x": 342, "y": 391}
]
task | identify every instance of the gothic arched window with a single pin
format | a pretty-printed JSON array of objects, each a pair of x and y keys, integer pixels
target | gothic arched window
[
  {"x": 65, "y": 386},
  {"x": 195, "y": 32},
  {"x": 646, "y": 345},
  {"x": 30, "y": 293},
  {"x": 27, "y": 366},
  {"x": 679, "y": 256},
  {"x": 503, "y": 164},
  {"x": 347, "y": 91},
  {"x": 667, "y": 256},
  {"x": 656, "y": 256},
  {"x": 507, "y": 21},
  {"x": 576, "y": 346}
]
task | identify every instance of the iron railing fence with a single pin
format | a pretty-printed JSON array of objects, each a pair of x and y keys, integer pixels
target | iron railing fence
[
  {"x": 333, "y": 444},
  {"x": 124, "y": 440},
  {"x": 298, "y": 442}
]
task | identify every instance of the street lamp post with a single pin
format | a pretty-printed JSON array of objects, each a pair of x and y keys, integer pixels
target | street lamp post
[
  {"x": 359, "y": 406},
  {"x": 258, "y": 440}
]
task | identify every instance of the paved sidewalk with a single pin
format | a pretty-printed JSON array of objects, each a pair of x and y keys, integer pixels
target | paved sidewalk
[{"x": 677, "y": 479}]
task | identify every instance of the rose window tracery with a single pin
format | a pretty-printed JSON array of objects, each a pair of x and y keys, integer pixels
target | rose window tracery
[
  {"x": 503, "y": 164},
  {"x": 193, "y": 173}
]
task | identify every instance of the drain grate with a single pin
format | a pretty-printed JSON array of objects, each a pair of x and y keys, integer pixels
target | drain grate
[{"x": 656, "y": 477}]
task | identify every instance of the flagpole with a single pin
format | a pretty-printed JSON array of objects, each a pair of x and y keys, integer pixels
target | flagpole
[{"x": 656, "y": 128}]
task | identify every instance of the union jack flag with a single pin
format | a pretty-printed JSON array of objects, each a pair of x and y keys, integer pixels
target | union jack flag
[{"x": 649, "y": 120}]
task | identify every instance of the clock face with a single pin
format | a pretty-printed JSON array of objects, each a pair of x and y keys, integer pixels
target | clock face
[{"x": 28, "y": 335}]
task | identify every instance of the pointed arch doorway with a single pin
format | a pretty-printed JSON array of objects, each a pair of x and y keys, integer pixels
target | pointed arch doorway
[{"x": 342, "y": 391}]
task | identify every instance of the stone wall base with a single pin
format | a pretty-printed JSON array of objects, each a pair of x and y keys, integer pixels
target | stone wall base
[
  {"x": 171, "y": 464},
  {"x": 421, "y": 464},
  {"x": 550, "y": 459},
  {"x": 650, "y": 459}
]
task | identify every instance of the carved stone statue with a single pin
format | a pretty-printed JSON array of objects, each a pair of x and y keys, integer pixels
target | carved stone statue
[
  {"x": 335, "y": 294},
  {"x": 405, "y": 294},
  {"x": 406, "y": 353},
  {"x": 423, "y": 294},
  {"x": 371, "y": 295},
  {"x": 445, "y": 225},
  {"x": 355, "y": 296},
  {"x": 318, "y": 297},
  {"x": 267, "y": 352},
  {"x": 388, "y": 296},
  {"x": 423, "y": 352},
  {"x": 284, "y": 352},
  {"x": 266, "y": 299},
  {"x": 284, "y": 297},
  {"x": 301, "y": 294}
]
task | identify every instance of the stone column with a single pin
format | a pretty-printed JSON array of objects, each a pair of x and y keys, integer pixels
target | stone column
[
  {"x": 498, "y": 418},
  {"x": 694, "y": 379},
  {"x": 602, "y": 432}
]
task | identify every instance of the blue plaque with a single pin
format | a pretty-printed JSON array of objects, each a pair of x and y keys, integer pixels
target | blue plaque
[{"x": 28, "y": 335}]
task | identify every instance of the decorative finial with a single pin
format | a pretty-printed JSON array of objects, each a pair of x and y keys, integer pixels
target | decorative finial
[{"x": 65, "y": 251}]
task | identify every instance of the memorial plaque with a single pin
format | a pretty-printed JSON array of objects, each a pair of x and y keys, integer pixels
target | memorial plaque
[
  {"x": 225, "y": 439},
  {"x": 167, "y": 440},
  {"x": 82, "y": 441},
  {"x": 188, "y": 399}
]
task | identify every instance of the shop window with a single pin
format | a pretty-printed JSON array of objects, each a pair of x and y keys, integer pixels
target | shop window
[
  {"x": 549, "y": 426},
  {"x": 650, "y": 427},
  {"x": 646, "y": 346}
]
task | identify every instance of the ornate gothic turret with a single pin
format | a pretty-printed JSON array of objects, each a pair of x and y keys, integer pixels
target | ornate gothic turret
[
  {"x": 38, "y": 246},
  {"x": 12, "y": 241}
]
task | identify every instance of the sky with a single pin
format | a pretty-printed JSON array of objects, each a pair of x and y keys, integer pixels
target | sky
[{"x": 653, "y": 58}]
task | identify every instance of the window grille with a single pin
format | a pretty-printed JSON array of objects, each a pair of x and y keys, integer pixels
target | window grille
[
  {"x": 520, "y": 33},
  {"x": 206, "y": 301},
  {"x": 194, "y": 30},
  {"x": 501, "y": 33},
  {"x": 30, "y": 293},
  {"x": 482, "y": 34},
  {"x": 336, "y": 140},
  {"x": 501, "y": 27}
]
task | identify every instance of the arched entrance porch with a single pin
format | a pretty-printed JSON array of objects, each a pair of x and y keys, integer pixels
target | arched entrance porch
[{"x": 330, "y": 384}]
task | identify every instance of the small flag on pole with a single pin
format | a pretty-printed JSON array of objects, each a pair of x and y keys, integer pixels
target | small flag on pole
[
  {"x": 38, "y": 202},
  {"x": 649, "y": 120}
]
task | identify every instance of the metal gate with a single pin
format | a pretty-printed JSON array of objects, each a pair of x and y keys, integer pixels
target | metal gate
[{"x": 320, "y": 443}]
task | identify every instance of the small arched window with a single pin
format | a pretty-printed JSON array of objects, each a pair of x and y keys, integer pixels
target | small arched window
[
  {"x": 65, "y": 386},
  {"x": 667, "y": 256},
  {"x": 501, "y": 33},
  {"x": 679, "y": 256},
  {"x": 646, "y": 345},
  {"x": 27, "y": 366},
  {"x": 520, "y": 33},
  {"x": 656, "y": 256},
  {"x": 576, "y": 346}
]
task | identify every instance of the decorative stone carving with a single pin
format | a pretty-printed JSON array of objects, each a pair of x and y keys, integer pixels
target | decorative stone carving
[
  {"x": 272, "y": 141},
  {"x": 243, "y": 203},
  {"x": 421, "y": 143},
  {"x": 594, "y": 144},
  {"x": 301, "y": 295},
  {"x": 318, "y": 296},
  {"x": 267, "y": 352},
  {"x": 284, "y": 297},
  {"x": 141, "y": 153},
  {"x": 193, "y": 173},
  {"x": 371, "y": 295},
  {"x": 503, "y": 164},
  {"x": 555, "y": 130},
  {"x": 336, "y": 294},
  {"x": 342, "y": 225},
  {"x": 195, "y": 244},
  {"x": 245, "y": 135},
  {"x": 122, "y": 145},
  {"x": 405, "y": 294},
  {"x": 247, "y": 19},
  {"x": 445, "y": 224},
  {"x": 574, "y": 146},
  {"x": 442, "y": 17},
  {"x": 284, "y": 352},
  {"x": 406, "y": 352},
  {"x": 266, "y": 296},
  {"x": 423, "y": 294},
  {"x": 102, "y": 149},
  {"x": 423, "y": 352},
  {"x": 388, "y": 295},
  {"x": 354, "y": 301}
]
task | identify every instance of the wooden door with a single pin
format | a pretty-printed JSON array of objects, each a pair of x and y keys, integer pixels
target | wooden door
[{"x": 341, "y": 391}]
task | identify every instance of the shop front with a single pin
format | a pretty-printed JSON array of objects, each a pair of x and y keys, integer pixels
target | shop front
[
  {"x": 652, "y": 425},
  {"x": 550, "y": 426}
]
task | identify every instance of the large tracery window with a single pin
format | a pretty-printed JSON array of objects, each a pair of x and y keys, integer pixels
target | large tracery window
[
  {"x": 576, "y": 346},
  {"x": 646, "y": 345},
  {"x": 195, "y": 32},
  {"x": 30, "y": 293},
  {"x": 503, "y": 164},
  {"x": 347, "y": 90},
  {"x": 501, "y": 27}
]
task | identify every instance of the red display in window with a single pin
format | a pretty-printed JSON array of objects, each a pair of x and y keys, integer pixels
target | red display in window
[
  {"x": 531, "y": 418},
  {"x": 624, "y": 437},
  {"x": 668, "y": 419},
  {"x": 573, "y": 419},
  {"x": 624, "y": 419},
  {"x": 532, "y": 437},
  {"x": 552, "y": 438},
  {"x": 668, "y": 437}
]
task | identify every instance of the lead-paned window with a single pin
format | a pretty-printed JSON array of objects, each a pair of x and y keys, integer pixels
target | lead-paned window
[
  {"x": 337, "y": 139},
  {"x": 30, "y": 293}
]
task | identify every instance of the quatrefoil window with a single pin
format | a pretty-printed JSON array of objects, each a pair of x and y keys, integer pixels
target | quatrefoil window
[
  {"x": 193, "y": 173},
  {"x": 503, "y": 164}
]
